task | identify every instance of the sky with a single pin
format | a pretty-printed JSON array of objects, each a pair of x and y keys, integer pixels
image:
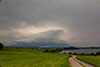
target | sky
[{"x": 76, "y": 22}]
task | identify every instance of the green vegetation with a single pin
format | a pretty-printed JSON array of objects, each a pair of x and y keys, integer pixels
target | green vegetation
[
  {"x": 53, "y": 50},
  {"x": 15, "y": 57},
  {"x": 95, "y": 60}
]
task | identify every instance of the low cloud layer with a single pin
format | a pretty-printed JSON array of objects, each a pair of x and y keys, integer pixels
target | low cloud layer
[{"x": 76, "y": 22}]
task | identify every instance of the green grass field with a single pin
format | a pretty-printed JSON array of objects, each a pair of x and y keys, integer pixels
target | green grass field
[
  {"x": 95, "y": 60},
  {"x": 31, "y": 58}
]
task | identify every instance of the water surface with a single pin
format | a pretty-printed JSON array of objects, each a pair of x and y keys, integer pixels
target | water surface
[{"x": 82, "y": 51}]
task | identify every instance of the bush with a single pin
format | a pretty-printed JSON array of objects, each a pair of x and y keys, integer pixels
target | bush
[
  {"x": 64, "y": 52},
  {"x": 95, "y": 55},
  {"x": 1, "y": 46},
  {"x": 87, "y": 54},
  {"x": 53, "y": 51},
  {"x": 46, "y": 50},
  {"x": 92, "y": 54},
  {"x": 69, "y": 53},
  {"x": 83, "y": 54},
  {"x": 98, "y": 53},
  {"x": 74, "y": 53}
]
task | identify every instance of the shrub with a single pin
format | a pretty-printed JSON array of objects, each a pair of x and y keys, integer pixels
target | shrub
[
  {"x": 92, "y": 54},
  {"x": 64, "y": 52},
  {"x": 69, "y": 53},
  {"x": 74, "y": 53},
  {"x": 83, "y": 54},
  {"x": 46, "y": 50},
  {"x": 87, "y": 54},
  {"x": 95, "y": 55},
  {"x": 98, "y": 53}
]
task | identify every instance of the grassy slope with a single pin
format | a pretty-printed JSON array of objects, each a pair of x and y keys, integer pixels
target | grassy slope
[
  {"x": 91, "y": 59},
  {"x": 31, "y": 58}
]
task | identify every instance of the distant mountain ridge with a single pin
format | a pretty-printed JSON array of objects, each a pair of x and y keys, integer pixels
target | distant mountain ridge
[{"x": 42, "y": 44}]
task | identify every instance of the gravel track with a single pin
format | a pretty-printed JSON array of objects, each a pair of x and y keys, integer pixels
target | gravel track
[
  {"x": 75, "y": 62},
  {"x": 83, "y": 63}
]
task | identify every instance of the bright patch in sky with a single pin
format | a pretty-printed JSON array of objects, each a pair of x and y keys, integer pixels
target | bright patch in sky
[{"x": 76, "y": 22}]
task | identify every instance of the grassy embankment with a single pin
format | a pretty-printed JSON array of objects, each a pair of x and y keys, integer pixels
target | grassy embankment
[
  {"x": 95, "y": 60},
  {"x": 12, "y": 57}
]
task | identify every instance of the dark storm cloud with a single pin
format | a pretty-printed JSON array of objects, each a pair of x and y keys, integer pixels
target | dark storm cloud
[{"x": 79, "y": 19}]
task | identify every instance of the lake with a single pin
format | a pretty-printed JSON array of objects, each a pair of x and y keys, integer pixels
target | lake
[{"x": 82, "y": 51}]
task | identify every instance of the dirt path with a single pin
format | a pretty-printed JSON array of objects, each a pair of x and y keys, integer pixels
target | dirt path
[
  {"x": 83, "y": 63},
  {"x": 74, "y": 63}
]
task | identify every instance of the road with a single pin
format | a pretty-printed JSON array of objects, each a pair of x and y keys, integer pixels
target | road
[{"x": 76, "y": 63}]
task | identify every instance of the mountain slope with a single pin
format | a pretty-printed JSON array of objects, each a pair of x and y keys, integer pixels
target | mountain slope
[{"x": 42, "y": 44}]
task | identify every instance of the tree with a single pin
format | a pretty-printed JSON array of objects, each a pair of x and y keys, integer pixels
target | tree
[{"x": 1, "y": 46}]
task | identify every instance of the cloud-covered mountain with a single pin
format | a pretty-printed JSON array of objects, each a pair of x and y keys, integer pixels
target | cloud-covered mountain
[{"x": 42, "y": 44}]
